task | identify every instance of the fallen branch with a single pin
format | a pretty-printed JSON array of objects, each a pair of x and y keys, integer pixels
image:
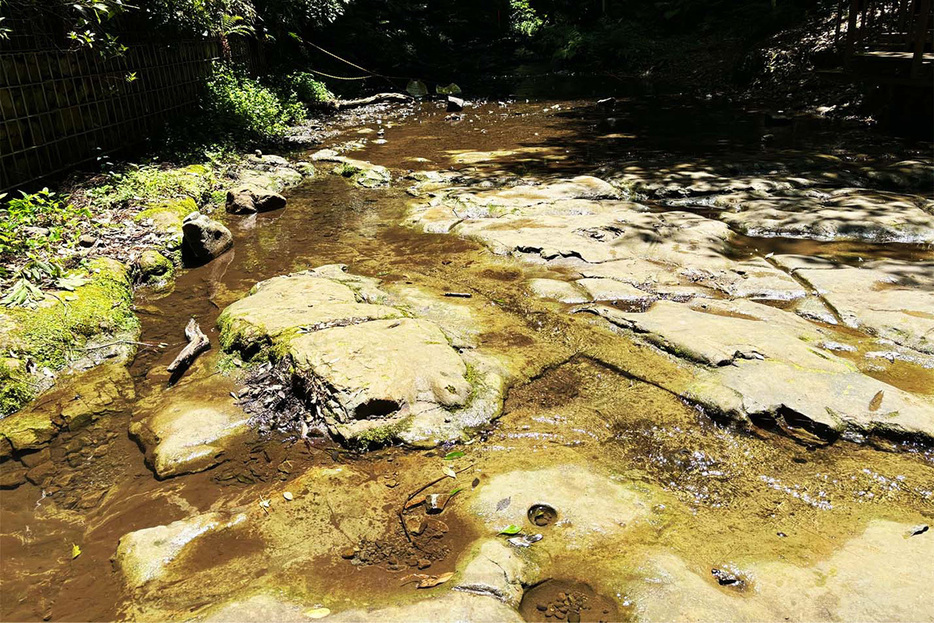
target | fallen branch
[
  {"x": 364, "y": 101},
  {"x": 198, "y": 342}
]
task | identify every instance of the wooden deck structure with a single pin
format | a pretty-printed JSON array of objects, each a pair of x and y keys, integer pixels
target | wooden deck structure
[{"x": 889, "y": 41}]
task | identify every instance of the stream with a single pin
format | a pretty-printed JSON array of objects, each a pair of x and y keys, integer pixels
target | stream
[{"x": 721, "y": 520}]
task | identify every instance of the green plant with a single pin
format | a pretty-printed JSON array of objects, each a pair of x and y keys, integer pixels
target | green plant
[
  {"x": 153, "y": 182},
  {"x": 307, "y": 89},
  {"x": 523, "y": 20},
  {"x": 227, "y": 26},
  {"x": 247, "y": 110},
  {"x": 37, "y": 222}
]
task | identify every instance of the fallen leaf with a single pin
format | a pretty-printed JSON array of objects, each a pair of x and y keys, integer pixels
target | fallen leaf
[
  {"x": 510, "y": 529},
  {"x": 876, "y": 401},
  {"x": 434, "y": 580},
  {"x": 317, "y": 613},
  {"x": 450, "y": 456},
  {"x": 75, "y": 551},
  {"x": 455, "y": 491},
  {"x": 449, "y": 472}
]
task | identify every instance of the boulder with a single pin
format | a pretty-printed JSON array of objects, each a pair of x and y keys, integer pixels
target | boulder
[
  {"x": 204, "y": 238},
  {"x": 380, "y": 373},
  {"x": 250, "y": 199},
  {"x": 374, "y": 374},
  {"x": 185, "y": 433},
  {"x": 146, "y": 555},
  {"x": 152, "y": 266}
]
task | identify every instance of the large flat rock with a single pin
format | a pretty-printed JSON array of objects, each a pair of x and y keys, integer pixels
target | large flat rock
[
  {"x": 847, "y": 214},
  {"x": 184, "y": 432},
  {"x": 879, "y": 575},
  {"x": 290, "y": 303},
  {"x": 893, "y": 300},
  {"x": 373, "y": 373},
  {"x": 760, "y": 362}
]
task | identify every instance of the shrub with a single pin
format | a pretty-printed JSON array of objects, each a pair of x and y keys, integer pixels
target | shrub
[
  {"x": 248, "y": 110},
  {"x": 307, "y": 89}
]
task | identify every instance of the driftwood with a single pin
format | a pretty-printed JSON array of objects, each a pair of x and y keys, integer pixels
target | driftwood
[
  {"x": 364, "y": 101},
  {"x": 198, "y": 342}
]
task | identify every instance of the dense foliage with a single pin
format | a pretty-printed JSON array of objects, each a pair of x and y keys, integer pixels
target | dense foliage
[
  {"x": 248, "y": 111},
  {"x": 32, "y": 223}
]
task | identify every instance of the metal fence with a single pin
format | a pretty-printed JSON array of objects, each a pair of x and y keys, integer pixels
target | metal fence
[{"x": 63, "y": 109}]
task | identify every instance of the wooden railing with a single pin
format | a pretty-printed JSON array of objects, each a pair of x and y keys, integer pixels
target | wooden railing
[{"x": 896, "y": 25}]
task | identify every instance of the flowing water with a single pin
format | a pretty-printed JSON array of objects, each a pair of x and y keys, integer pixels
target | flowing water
[{"x": 723, "y": 495}]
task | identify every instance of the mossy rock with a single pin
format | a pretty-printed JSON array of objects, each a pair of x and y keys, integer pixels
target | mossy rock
[
  {"x": 101, "y": 391},
  {"x": 16, "y": 386},
  {"x": 167, "y": 216},
  {"x": 153, "y": 267},
  {"x": 56, "y": 333}
]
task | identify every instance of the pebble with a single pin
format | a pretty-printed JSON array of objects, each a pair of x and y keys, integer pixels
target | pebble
[
  {"x": 288, "y": 496},
  {"x": 347, "y": 553}
]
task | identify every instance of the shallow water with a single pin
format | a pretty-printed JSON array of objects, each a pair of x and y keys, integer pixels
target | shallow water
[{"x": 724, "y": 495}]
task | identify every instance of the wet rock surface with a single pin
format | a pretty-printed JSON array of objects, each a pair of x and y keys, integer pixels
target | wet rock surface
[
  {"x": 663, "y": 276},
  {"x": 189, "y": 432},
  {"x": 602, "y": 356},
  {"x": 365, "y": 369},
  {"x": 204, "y": 239}
]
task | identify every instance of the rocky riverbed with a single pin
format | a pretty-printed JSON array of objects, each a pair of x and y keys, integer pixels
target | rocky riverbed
[{"x": 530, "y": 361}]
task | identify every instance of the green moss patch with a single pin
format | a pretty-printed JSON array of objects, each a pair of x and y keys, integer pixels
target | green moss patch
[{"x": 56, "y": 333}]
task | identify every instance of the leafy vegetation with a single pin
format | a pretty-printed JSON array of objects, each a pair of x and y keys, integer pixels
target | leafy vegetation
[
  {"x": 36, "y": 222},
  {"x": 153, "y": 182},
  {"x": 307, "y": 89},
  {"x": 247, "y": 111}
]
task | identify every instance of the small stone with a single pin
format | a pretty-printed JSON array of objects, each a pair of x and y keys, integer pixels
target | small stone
[
  {"x": 288, "y": 495},
  {"x": 541, "y": 607},
  {"x": 424, "y": 563},
  {"x": 347, "y": 553},
  {"x": 415, "y": 525},
  {"x": 455, "y": 104},
  {"x": 436, "y": 503},
  {"x": 87, "y": 241}
]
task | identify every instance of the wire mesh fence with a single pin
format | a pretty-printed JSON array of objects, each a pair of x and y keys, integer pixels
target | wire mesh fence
[{"x": 63, "y": 109}]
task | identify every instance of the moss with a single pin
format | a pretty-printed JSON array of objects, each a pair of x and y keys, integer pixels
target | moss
[
  {"x": 154, "y": 267},
  {"x": 168, "y": 211},
  {"x": 16, "y": 388},
  {"x": 53, "y": 335},
  {"x": 379, "y": 436}
]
